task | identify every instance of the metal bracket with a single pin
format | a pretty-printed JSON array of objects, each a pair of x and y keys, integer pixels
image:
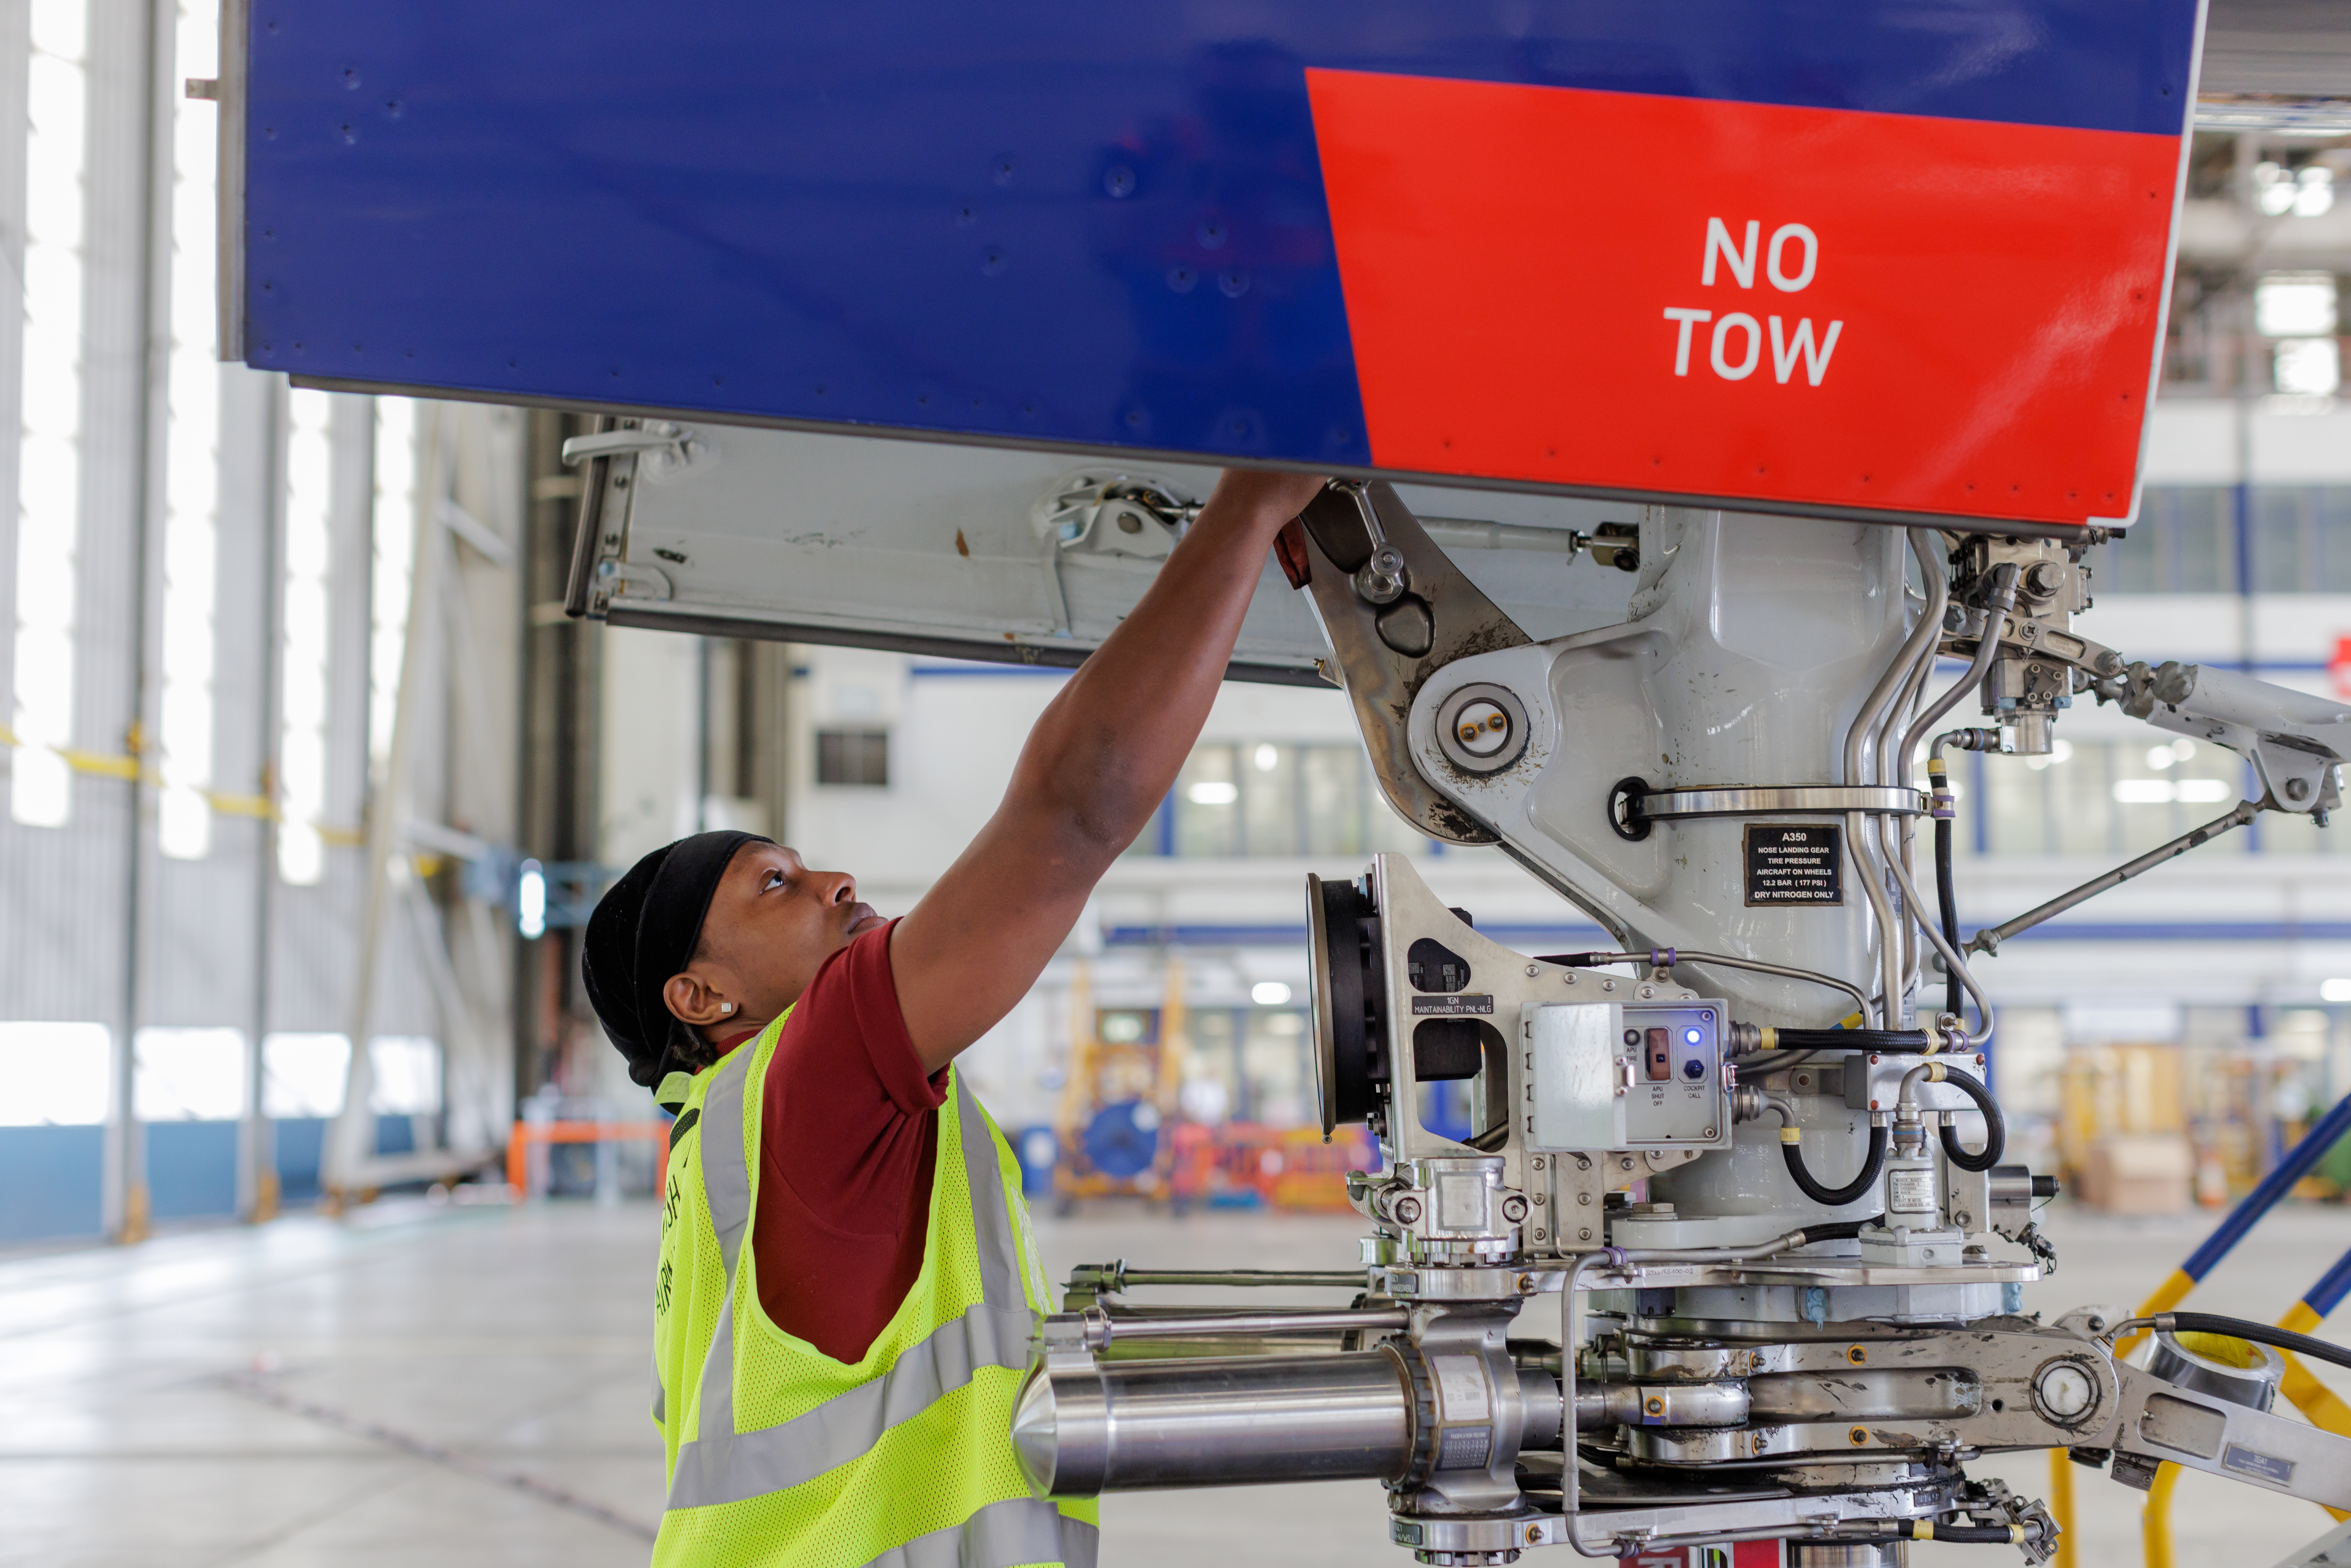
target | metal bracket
[
  {"x": 1652, "y": 805},
  {"x": 1114, "y": 514},
  {"x": 662, "y": 448},
  {"x": 1387, "y": 651},
  {"x": 616, "y": 577}
]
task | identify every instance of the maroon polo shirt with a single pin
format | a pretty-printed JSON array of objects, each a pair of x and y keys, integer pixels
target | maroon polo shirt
[{"x": 846, "y": 1152}]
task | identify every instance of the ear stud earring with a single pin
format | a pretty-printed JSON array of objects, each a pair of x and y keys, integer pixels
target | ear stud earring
[{"x": 726, "y": 1007}]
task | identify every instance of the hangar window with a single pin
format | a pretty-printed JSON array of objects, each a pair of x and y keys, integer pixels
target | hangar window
[
  {"x": 2302, "y": 538},
  {"x": 853, "y": 757},
  {"x": 2299, "y": 541},
  {"x": 1272, "y": 798},
  {"x": 2103, "y": 799},
  {"x": 2184, "y": 542}
]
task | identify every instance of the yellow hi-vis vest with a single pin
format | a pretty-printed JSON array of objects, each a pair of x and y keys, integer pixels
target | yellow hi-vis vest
[{"x": 781, "y": 1457}]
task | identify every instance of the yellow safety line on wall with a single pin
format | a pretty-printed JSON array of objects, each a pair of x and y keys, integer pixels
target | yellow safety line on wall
[{"x": 128, "y": 767}]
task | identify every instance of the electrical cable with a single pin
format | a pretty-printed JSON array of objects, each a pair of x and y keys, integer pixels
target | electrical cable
[
  {"x": 1947, "y": 907},
  {"x": 1946, "y": 894},
  {"x": 1995, "y": 1126},
  {"x": 2258, "y": 1333},
  {"x": 1958, "y": 1534},
  {"x": 1833, "y": 1196},
  {"x": 1851, "y": 1038},
  {"x": 1952, "y": 964}
]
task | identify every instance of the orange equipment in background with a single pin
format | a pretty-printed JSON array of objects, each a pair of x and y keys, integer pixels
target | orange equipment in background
[
  {"x": 1120, "y": 1096},
  {"x": 1280, "y": 1167}
]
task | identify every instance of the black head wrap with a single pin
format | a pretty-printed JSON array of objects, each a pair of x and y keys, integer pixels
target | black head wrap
[{"x": 643, "y": 931}]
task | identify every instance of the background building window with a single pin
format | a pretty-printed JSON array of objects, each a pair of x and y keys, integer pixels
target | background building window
[
  {"x": 1268, "y": 798},
  {"x": 2302, "y": 538},
  {"x": 2103, "y": 798},
  {"x": 857, "y": 757},
  {"x": 2185, "y": 541}
]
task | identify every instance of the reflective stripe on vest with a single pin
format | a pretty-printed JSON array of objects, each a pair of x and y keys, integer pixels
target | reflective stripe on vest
[
  {"x": 1018, "y": 1529},
  {"x": 721, "y": 1465}
]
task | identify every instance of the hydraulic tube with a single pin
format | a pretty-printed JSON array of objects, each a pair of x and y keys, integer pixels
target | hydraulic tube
[
  {"x": 1202, "y": 1422},
  {"x": 1081, "y": 1429}
]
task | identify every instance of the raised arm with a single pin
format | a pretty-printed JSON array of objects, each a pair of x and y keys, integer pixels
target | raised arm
[{"x": 1101, "y": 759}]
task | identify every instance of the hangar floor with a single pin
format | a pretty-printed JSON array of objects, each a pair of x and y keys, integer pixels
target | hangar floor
[{"x": 467, "y": 1388}]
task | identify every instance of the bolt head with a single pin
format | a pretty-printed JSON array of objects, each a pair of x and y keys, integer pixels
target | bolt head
[
  {"x": 1584, "y": 1234},
  {"x": 2065, "y": 1390}
]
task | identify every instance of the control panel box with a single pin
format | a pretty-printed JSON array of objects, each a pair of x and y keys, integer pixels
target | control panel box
[{"x": 1621, "y": 1075}]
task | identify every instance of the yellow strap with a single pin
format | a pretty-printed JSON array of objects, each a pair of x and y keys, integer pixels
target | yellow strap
[
  {"x": 1792, "y": 1135},
  {"x": 2318, "y": 1402},
  {"x": 2155, "y": 1520},
  {"x": 2061, "y": 1504}
]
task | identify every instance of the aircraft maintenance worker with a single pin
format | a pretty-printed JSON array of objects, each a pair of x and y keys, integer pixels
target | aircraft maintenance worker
[{"x": 847, "y": 1285}]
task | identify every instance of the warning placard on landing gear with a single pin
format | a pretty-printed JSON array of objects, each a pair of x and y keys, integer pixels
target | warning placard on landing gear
[{"x": 1794, "y": 863}]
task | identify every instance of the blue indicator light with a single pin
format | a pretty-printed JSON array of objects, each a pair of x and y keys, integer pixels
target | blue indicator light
[{"x": 1693, "y": 1036}]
